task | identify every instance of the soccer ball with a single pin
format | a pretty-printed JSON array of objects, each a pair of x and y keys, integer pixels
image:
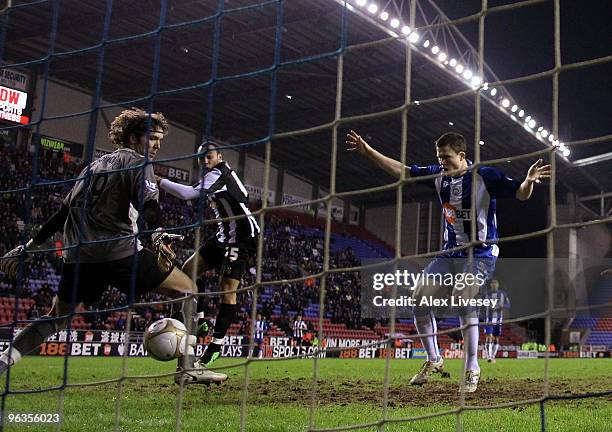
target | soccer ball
[{"x": 163, "y": 339}]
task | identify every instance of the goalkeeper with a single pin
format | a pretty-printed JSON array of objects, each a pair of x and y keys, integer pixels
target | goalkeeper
[{"x": 98, "y": 221}]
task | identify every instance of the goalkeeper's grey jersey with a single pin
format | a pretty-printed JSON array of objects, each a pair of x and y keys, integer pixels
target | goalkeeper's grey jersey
[{"x": 101, "y": 207}]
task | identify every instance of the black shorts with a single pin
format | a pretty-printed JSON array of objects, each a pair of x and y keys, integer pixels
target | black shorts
[
  {"x": 94, "y": 278},
  {"x": 231, "y": 259}
]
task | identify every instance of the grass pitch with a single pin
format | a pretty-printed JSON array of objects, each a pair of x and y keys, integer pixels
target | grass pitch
[{"x": 280, "y": 392}]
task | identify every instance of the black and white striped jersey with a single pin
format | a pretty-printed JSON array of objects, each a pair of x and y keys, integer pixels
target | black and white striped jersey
[
  {"x": 227, "y": 197},
  {"x": 299, "y": 327}
]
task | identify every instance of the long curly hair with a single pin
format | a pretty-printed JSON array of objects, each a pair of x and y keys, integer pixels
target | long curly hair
[{"x": 134, "y": 121}]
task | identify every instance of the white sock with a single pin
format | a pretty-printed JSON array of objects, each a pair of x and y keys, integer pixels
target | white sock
[
  {"x": 489, "y": 347},
  {"x": 494, "y": 350},
  {"x": 12, "y": 355},
  {"x": 187, "y": 345},
  {"x": 470, "y": 340},
  {"x": 427, "y": 325}
]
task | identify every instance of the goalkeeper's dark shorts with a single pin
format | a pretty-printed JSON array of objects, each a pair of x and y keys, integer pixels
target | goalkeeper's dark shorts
[
  {"x": 231, "y": 260},
  {"x": 87, "y": 281}
]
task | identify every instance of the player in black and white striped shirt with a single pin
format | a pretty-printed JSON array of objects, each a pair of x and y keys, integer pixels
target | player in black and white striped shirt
[
  {"x": 299, "y": 327},
  {"x": 235, "y": 242}
]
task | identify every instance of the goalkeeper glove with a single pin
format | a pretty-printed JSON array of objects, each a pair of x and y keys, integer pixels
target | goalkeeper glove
[
  {"x": 203, "y": 329},
  {"x": 162, "y": 243},
  {"x": 9, "y": 263}
]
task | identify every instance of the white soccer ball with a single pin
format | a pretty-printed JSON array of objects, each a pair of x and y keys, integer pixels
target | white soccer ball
[{"x": 163, "y": 339}]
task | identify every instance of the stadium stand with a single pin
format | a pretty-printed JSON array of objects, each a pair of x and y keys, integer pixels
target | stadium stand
[{"x": 300, "y": 236}]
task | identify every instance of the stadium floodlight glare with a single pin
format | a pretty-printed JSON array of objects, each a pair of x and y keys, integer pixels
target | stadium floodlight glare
[
  {"x": 538, "y": 135},
  {"x": 476, "y": 81},
  {"x": 384, "y": 16},
  {"x": 514, "y": 108},
  {"x": 505, "y": 103},
  {"x": 373, "y": 8},
  {"x": 451, "y": 124},
  {"x": 414, "y": 37},
  {"x": 481, "y": 142},
  {"x": 405, "y": 30},
  {"x": 551, "y": 138},
  {"x": 532, "y": 123},
  {"x": 426, "y": 43},
  {"x": 540, "y": 128},
  {"x": 459, "y": 68},
  {"x": 544, "y": 133},
  {"x": 493, "y": 92},
  {"x": 467, "y": 74},
  {"x": 521, "y": 113},
  {"x": 566, "y": 152},
  {"x": 555, "y": 142},
  {"x": 442, "y": 56},
  {"x": 394, "y": 23},
  {"x": 435, "y": 49},
  {"x": 527, "y": 119},
  {"x": 288, "y": 96},
  {"x": 361, "y": 3},
  {"x": 453, "y": 62}
]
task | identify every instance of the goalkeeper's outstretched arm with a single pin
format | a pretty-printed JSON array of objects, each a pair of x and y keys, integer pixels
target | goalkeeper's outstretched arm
[
  {"x": 54, "y": 224},
  {"x": 357, "y": 144},
  {"x": 10, "y": 261}
]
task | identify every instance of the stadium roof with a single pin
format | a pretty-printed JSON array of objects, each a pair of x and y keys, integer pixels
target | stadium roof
[{"x": 305, "y": 96}]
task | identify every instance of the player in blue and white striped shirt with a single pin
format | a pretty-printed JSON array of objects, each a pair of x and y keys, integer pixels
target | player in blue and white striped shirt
[
  {"x": 261, "y": 327},
  {"x": 454, "y": 186},
  {"x": 494, "y": 316}
]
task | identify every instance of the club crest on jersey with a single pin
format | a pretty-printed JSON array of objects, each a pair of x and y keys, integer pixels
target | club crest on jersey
[
  {"x": 451, "y": 214},
  {"x": 456, "y": 190},
  {"x": 152, "y": 186}
]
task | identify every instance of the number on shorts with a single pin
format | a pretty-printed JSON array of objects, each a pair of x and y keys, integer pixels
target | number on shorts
[{"x": 232, "y": 254}]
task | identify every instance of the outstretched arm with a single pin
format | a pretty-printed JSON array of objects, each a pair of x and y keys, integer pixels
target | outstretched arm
[
  {"x": 536, "y": 173},
  {"x": 9, "y": 263},
  {"x": 180, "y": 191},
  {"x": 54, "y": 224},
  {"x": 357, "y": 144}
]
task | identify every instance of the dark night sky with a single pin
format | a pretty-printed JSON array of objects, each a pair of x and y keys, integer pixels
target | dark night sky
[{"x": 521, "y": 42}]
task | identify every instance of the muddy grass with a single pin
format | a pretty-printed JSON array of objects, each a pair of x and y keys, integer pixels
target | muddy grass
[{"x": 491, "y": 391}]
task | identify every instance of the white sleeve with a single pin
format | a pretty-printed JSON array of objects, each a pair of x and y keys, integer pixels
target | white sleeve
[{"x": 183, "y": 192}]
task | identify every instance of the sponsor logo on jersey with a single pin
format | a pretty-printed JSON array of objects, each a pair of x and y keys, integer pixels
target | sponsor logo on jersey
[{"x": 452, "y": 215}]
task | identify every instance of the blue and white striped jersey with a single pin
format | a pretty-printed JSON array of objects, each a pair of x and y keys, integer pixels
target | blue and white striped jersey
[
  {"x": 496, "y": 315},
  {"x": 261, "y": 327},
  {"x": 455, "y": 195}
]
